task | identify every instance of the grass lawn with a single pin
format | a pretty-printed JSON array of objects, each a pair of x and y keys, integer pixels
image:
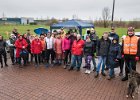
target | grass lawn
[{"x": 22, "y": 29}]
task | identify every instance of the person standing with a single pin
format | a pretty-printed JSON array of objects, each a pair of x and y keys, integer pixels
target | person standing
[
  {"x": 11, "y": 44},
  {"x": 113, "y": 57},
  {"x": 28, "y": 47},
  {"x": 43, "y": 47},
  {"x": 3, "y": 52},
  {"x": 94, "y": 38},
  {"x": 66, "y": 47},
  {"x": 21, "y": 50},
  {"x": 77, "y": 53},
  {"x": 131, "y": 51},
  {"x": 58, "y": 49},
  {"x": 49, "y": 49},
  {"x": 88, "y": 54},
  {"x": 36, "y": 49},
  {"x": 102, "y": 53}
]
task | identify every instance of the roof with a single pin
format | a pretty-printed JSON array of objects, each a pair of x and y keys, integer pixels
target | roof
[{"x": 72, "y": 24}]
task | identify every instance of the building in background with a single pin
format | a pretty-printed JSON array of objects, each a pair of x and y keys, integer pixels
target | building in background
[{"x": 22, "y": 20}]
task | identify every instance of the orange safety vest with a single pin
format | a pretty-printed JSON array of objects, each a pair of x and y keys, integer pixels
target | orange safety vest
[{"x": 130, "y": 45}]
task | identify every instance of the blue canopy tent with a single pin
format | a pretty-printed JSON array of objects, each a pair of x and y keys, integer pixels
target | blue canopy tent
[{"x": 72, "y": 24}]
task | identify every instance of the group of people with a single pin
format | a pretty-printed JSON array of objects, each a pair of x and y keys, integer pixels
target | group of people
[{"x": 68, "y": 49}]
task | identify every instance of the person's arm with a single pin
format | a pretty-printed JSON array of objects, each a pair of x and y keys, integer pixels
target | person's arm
[
  {"x": 119, "y": 55},
  {"x": 98, "y": 48},
  {"x": 138, "y": 49}
]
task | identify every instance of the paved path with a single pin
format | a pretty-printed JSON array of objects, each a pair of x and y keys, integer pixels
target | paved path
[{"x": 56, "y": 83}]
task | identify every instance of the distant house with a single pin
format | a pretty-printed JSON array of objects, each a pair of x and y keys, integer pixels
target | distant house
[{"x": 22, "y": 20}]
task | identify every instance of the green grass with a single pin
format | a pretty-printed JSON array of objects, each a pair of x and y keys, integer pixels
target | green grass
[{"x": 22, "y": 29}]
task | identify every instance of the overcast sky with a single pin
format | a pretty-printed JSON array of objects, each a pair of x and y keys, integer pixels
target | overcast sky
[{"x": 84, "y": 9}]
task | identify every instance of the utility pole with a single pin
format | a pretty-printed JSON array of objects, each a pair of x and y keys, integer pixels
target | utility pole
[{"x": 112, "y": 19}]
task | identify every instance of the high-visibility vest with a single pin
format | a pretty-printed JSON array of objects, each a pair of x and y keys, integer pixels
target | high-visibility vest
[{"x": 130, "y": 45}]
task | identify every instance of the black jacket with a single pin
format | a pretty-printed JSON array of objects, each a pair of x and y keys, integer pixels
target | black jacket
[
  {"x": 2, "y": 46},
  {"x": 103, "y": 47},
  {"x": 89, "y": 48}
]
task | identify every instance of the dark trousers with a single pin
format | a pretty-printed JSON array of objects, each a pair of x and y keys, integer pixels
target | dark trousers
[
  {"x": 48, "y": 53},
  {"x": 43, "y": 56},
  {"x": 3, "y": 55},
  {"x": 37, "y": 58},
  {"x": 12, "y": 55},
  {"x": 67, "y": 56},
  {"x": 24, "y": 57},
  {"x": 130, "y": 64},
  {"x": 121, "y": 64}
]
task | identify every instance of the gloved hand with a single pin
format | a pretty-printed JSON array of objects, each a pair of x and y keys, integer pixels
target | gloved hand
[{"x": 136, "y": 58}]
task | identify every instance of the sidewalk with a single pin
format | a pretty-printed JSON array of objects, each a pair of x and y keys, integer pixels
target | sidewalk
[{"x": 56, "y": 83}]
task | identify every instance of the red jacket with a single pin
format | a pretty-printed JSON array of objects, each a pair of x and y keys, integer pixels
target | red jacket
[
  {"x": 19, "y": 44},
  {"x": 77, "y": 47},
  {"x": 36, "y": 46}
]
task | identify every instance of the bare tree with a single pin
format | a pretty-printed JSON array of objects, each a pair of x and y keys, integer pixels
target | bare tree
[{"x": 106, "y": 16}]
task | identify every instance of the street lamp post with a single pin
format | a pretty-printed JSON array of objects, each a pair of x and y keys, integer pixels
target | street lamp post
[{"x": 112, "y": 19}]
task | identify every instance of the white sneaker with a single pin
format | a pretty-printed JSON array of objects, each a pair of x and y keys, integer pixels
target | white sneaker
[
  {"x": 86, "y": 72},
  {"x": 89, "y": 71}
]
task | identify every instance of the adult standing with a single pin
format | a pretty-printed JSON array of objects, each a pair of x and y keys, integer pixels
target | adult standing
[
  {"x": 36, "y": 49},
  {"x": 3, "y": 52},
  {"x": 94, "y": 38},
  {"x": 77, "y": 53},
  {"x": 102, "y": 53},
  {"x": 49, "y": 48},
  {"x": 131, "y": 51},
  {"x": 11, "y": 44},
  {"x": 21, "y": 50}
]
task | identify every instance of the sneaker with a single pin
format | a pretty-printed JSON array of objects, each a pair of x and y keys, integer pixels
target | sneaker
[
  {"x": 89, "y": 71},
  {"x": 96, "y": 74},
  {"x": 84, "y": 66},
  {"x": 65, "y": 66},
  {"x": 103, "y": 73},
  {"x": 86, "y": 72},
  {"x": 109, "y": 78},
  {"x": 125, "y": 78}
]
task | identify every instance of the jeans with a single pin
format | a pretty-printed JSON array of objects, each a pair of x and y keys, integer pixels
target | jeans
[
  {"x": 94, "y": 62},
  {"x": 76, "y": 59},
  {"x": 101, "y": 60},
  {"x": 111, "y": 72}
]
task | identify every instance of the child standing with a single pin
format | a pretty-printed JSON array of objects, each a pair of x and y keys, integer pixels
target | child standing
[{"x": 88, "y": 53}]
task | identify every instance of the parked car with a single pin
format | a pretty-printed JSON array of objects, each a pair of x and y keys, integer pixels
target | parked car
[{"x": 137, "y": 34}]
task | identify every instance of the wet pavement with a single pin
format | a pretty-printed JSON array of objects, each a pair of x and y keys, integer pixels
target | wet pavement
[{"x": 56, "y": 83}]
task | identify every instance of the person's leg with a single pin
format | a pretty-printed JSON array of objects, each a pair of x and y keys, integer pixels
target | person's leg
[
  {"x": 47, "y": 55},
  {"x": 100, "y": 60},
  {"x": 5, "y": 58},
  {"x": 35, "y": 55},
  {"x": 66, "y": 57},
  {"x": 1, "y": 61},
  {"x": 73, "y": 62},
  {"x": 127, "y": 68},
  {"x": 52, "y": 55},
  {"x": 12, "y": 56},
  {"x": 103, "y": 64},
  {"x": 94, "y": 63},
  {"x": 79, "y": 62},
  {"x": 39, "y": 58},
  {"x": 133, "y": 63},
  {"x": 121, "y": 62}
]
